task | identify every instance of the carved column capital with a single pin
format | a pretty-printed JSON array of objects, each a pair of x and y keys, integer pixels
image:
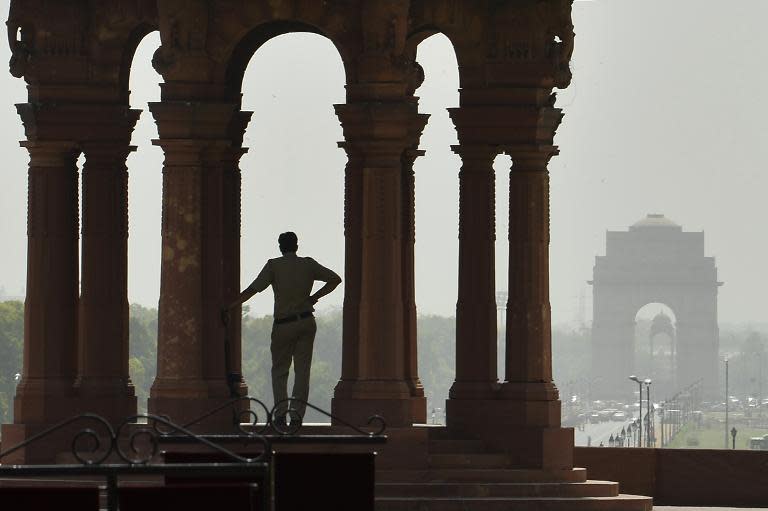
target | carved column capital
[
  {"x": 78, "y": 122},
  {"x": 59, "y": 154},
  {"x": 531, "y": 158},
  {"x": 103, "y": 155},
  {"x": 476, "y": 157}
]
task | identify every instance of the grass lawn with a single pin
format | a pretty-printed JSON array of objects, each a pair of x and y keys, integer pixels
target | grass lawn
[{"x": 713, "y": 438}]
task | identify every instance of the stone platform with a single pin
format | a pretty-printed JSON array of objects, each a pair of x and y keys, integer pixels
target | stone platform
[{"x": 462, "y": 473}]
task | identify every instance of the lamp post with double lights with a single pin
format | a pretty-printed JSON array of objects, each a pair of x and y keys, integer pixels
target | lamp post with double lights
[
  {"x": 640, "y": 413},
  {"x": 649, "y": 423}
]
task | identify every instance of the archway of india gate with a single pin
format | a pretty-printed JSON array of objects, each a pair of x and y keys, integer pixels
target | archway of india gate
[{"x": 76, "y": 58}]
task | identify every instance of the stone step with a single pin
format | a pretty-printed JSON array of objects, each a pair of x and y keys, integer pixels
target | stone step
[
  {"x": 464, "y": 490},
  {"x": 576, "y": 475},
  {"x": 470, "y": 461},
  {"x": 442, "y": 433},
  {"x": 618, "y": 503},
  {"x": 454, "y": 446}
]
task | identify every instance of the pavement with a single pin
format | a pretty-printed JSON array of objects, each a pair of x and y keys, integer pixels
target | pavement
[
  {"x": 676, "y": 508},
  {"x": 599, "y": 432}
]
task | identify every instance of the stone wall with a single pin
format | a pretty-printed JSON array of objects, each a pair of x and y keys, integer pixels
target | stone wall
[{"x": 682, "y": 477}]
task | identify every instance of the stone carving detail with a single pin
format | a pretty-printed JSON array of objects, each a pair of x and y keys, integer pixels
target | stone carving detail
[
  {"x": 21, "y": 52},
  {"x": 559, "y": 37},
  {"x": 184, "y": 31},
  {"x": 534, "y": 30}
]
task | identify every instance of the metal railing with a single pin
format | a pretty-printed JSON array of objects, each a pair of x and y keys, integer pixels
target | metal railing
[{"x": 136, "y": 446}]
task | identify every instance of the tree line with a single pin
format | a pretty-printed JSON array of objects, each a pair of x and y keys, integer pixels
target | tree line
[
  {"x": 436, "y": 338},
  {"x": 436, "y": 347}
]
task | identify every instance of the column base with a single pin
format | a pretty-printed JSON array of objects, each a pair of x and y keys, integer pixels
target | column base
[
  {"x": 54, "y": 447},
  {"x": 43, "y": 401},
  {"x": 473, "y": 390},
  {"x": 472, "y": 414},
  {"x": 418, "y": 410},
  {"x": 112, "y": 398},
  {"x": 356, "y": 401},
  {"x": 528, "y": 431},
  {"x": 528, "y": 391},
  {"x": 115, "y": 409},
  {"x": 183, "y": 401}
]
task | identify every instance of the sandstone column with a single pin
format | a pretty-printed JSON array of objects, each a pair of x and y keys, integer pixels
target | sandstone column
[
  {"x": 44, "y": 394},
  {"x": 528, "y": 402},
  {"x": 418, "y": 400},
  {"x": 103, "y": 385},
  {"x": 231, "y": 244},
  {"x": 373, "y": 377},
  {"x": 476, "y": 304},
  {"x": 201, "y": 145},
  {"x": 528, "y": 349}
]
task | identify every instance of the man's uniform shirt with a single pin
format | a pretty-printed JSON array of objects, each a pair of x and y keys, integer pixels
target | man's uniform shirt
[{"x": 292, "y": 278}]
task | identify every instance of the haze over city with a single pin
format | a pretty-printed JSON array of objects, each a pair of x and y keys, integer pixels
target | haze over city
[
  {"x": 670, "y": 124},
  {"x": 415, "y": 389}
]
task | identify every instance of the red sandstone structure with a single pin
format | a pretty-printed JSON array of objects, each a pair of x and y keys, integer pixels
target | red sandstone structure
[{"x": 76, "y": 58}]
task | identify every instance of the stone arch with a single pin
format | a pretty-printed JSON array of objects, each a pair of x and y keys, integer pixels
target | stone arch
[
  {"x": 655, "y": 336},
  {"x": 132, "y": 42},
  {"x": 655, "y": 261},
  {"x": 249, "y": 43},
  {"x": 432, "y": 174}
]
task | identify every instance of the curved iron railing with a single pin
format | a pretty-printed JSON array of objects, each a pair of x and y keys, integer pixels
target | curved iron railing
[
  {"x": 129, "y": 448},
  {"x": 104, "y": 441},
  {"x": 273, "y": 417},
  {"x": 378, "y": 420}
]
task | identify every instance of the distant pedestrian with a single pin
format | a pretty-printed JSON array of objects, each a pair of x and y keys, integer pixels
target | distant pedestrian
[{"x": 294, "y": 327}]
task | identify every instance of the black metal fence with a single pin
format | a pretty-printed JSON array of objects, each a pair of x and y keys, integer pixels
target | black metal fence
[{"x": 222, "y": 476}]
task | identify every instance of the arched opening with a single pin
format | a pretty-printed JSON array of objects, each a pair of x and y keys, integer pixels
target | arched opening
[
  {"x": 79, "y": 166},
  {"x": 655, "y": 347},
  {"x": 501, "y": 168},
  {"x": 144, "y": 212},
  {"x": 436, "y": 247},
  {"x": 292, "y": 180}
]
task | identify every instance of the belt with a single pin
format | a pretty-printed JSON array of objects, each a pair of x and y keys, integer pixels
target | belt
[{"x": 294, "y": 317}]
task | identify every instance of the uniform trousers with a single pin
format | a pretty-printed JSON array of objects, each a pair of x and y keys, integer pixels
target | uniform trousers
[{"x": 292, "y": 342}]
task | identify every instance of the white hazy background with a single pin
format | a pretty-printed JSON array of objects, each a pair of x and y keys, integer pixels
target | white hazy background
[{"x": 665, "y": 115}]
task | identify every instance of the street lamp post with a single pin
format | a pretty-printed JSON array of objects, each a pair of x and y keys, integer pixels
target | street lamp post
[
  {"x": 640, "y": 413},
  {"x": 661, "y": 416},
  {"x": 649, "y": 422},
  {"x": 726, "y": 403}
]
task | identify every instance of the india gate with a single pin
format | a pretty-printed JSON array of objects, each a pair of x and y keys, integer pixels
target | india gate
[
  {"x": 656, "y": 261},
  {"x": 76, "y": 57}
]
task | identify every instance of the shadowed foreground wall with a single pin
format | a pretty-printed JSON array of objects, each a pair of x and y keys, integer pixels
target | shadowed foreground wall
[{"x": 682, "y": 477}]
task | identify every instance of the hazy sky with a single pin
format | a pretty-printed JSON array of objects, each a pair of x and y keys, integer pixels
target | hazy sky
[{"x": 665, "y": 115}]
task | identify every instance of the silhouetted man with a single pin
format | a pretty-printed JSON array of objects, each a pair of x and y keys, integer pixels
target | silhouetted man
[{"x": 293, "y": 332}]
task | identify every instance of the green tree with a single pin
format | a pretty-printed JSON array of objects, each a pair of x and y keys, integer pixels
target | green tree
[
  {"x": 142, "y": 349},
  {"x": 11, "y": 349}
]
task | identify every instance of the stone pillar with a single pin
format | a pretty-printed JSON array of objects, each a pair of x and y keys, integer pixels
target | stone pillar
[
  {"x": 521, "y": 415},
  {"x": 103, "y": 385},
  {"x": 353, "y": 242},
  {"x": 476, "y": 305},
  {"x": 529, "y": 345},
  {"x": 201, "y": 145},
  {"x": 44, "y": 394},
  {"x": 231, "y": 243},
  {"x": 373, "y": 377},
  {"x": 528, "y": 402},
  {"x": 418, "y": 400}
]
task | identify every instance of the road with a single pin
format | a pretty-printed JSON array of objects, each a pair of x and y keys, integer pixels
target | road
[{"x": 599, "y": 432}]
